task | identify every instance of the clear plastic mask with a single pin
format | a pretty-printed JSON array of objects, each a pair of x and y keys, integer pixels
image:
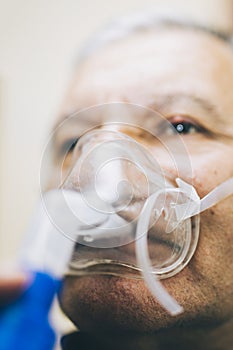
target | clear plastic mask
[
  {"x": 115, "y": 175},
  {"x": 126, "y": 214}
]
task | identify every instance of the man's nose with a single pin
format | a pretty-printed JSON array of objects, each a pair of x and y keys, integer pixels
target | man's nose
[{"x": 109, "y": 163}]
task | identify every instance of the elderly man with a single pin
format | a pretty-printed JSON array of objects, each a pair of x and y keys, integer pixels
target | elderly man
[{"x": 184, "y": 72}]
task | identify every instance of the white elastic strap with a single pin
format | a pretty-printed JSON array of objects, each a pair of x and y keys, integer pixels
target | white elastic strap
[
  {"x": 187, "y": 210},
  {"x": 218, "y": 194},
  {"x": 156, "y": 288}
]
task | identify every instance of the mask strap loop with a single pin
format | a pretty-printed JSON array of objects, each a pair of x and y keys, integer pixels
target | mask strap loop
[
  {"x": 142, "y": 253},
  {"x": 183, "y": 211}
]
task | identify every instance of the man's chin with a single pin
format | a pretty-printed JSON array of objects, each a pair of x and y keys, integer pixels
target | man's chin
[{"x": 114, "y": 304}]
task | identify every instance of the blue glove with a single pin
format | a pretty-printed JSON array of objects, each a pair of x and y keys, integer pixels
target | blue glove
[{"x": 24, "y": 324}]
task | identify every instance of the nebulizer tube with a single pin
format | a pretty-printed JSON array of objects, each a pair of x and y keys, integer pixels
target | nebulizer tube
[{"x": 45, "y": 254}]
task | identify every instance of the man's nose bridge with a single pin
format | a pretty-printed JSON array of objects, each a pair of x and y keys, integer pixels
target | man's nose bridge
[
  {"x": 117, "y": 174},
  {"x": 151, "y": 141},
  {"x": 105, "y": 163}
]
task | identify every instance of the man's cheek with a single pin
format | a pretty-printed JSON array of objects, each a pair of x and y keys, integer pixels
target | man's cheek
[
  {"x": 208, "y": 173},
  {"x": 214, "y": 252}
]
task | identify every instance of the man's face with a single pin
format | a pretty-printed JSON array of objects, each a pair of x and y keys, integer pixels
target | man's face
[{"x": 187, "y": 76}]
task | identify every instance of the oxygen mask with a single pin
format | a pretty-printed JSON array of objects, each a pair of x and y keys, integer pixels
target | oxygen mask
[{"x": 125, "y": 206}]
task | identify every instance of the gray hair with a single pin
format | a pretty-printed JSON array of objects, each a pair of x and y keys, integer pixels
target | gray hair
[{"x": 129, "y": 25}]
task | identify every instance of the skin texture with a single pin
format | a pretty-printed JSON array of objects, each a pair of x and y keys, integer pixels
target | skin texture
[{"x": 170, "y": 70}]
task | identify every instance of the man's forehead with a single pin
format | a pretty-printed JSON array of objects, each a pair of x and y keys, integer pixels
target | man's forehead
[
  {"x": 168, "y": 57},
  {"x": 198, "y": 73},
  {"x": 157, "y": 40}
]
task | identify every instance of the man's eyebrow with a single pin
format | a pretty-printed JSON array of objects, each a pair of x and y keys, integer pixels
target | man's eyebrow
[
  {"x": 163, "y": 102},
  {"x": 72, "y": 119}
]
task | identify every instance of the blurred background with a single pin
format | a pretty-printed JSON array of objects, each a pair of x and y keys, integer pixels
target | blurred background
[{"x": 39, "y": 44}]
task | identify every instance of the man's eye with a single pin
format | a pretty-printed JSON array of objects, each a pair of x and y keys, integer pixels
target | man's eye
[
  {"x": 68, "y": 146},
  {"x": 184, "y": 126}
]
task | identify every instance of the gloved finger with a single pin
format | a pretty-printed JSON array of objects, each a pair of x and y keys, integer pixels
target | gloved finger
[{"x": 11, "y": 286}]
